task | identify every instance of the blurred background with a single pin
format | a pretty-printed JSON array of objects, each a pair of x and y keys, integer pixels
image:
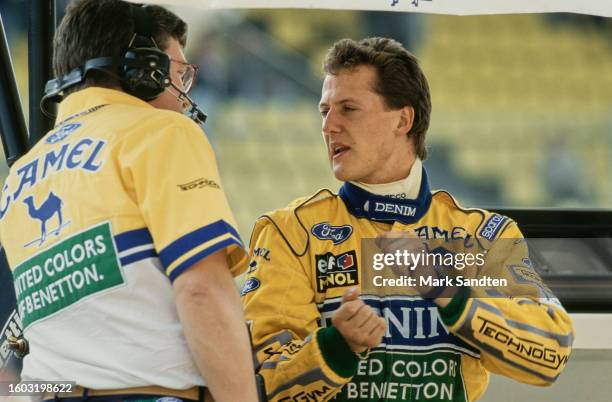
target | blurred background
[
  {"x": 522, "y": 104},
  {"x": 522, "y": 117}
]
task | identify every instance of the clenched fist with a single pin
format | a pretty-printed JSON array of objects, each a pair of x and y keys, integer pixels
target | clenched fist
[
  {"x": 407, "y": 244},
  {"x": 360, "y": 326}
]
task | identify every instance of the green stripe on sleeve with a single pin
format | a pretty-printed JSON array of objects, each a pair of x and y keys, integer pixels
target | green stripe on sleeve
[
  {"x": 451, "y": 313},
  {"x": 336, "y": 352}
]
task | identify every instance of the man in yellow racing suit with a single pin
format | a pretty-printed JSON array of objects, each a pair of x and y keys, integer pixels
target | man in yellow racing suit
[{"x": 322, "y": 330}]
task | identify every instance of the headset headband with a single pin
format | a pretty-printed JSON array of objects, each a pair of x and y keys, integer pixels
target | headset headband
[
  {"x": 143, "y": 27},
  {"x": 143, "y": 37}
]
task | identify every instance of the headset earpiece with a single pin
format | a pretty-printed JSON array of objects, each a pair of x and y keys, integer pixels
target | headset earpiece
[{"x": 148, "y": 75}]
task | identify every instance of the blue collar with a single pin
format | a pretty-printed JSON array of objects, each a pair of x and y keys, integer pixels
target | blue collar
[{"x": 364, "y": 204}]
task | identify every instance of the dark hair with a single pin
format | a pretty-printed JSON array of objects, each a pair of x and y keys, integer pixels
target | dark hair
[
  {"x": 104, "y": 28},
  {"x": 400, "y": 82}
]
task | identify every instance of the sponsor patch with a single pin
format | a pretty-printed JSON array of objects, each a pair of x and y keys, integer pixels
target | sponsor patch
[
  {"x": 250, "y": 285},
  {"x": 85, "y": 155},
  {"x": 398, "y": 209},
  {"x": 262, "y": 252},
  {"x": 168, "y": 399},
  {"x": 46, "y": 210},
  {"x": 62, "y": 132},
  {"x": 432, "y": 376},
  {"x": 76, "y": 268},
  {"x": 524, "y": 274},
  {"x": 12, "y": 327},
  {"x": 199, "y": 183},
  {"x": 313, "y": 395},
  {"x": 336, "y": 270},
  {"x": 252, "y": 266},
  {"x": 523, "y": 348},
  {"x": 492, "y": 226},
  {"x": 337, "y": 234}
]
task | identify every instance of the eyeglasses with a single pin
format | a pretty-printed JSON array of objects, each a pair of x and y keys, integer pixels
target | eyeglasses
[{"x": 189, "y": 76}]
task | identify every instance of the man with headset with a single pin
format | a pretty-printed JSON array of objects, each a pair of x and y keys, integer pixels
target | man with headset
[{"x": 117, "y": 230}]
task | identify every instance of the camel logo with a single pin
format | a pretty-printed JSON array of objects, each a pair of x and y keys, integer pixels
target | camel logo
[{"x": 48, "y": 209}]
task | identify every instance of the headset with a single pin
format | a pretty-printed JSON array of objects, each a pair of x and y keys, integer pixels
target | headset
[{"x": 144, "y": 69}]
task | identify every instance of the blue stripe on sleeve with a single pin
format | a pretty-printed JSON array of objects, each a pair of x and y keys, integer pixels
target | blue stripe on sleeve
[
  {"x": 188, "y": 242},
  {"x": 133, "y": 238},
  {"x": 138, "y": 256},
  {"x": 201, "y": 255}
]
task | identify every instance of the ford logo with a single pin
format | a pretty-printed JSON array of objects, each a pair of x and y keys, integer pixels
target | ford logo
[
  {"x": 250, "y": 285},
  {"x": 337, "y": 234},
  {"x": 61, "y": 133}
]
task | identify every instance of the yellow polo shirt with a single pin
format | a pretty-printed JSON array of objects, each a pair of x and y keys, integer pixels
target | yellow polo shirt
[{"x": 97, "y": 220}]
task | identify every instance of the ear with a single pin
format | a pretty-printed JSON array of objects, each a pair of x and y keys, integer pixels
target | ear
[{"x": 406, "y": 120}]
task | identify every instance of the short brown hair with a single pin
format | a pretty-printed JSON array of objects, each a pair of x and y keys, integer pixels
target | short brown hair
[
  {"x": 400, "y": 82},
  {"x": 104, "y": 28}
]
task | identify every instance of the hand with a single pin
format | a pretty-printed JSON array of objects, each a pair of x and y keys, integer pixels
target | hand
[
  {"x": 360, "y": 326},
  {"x": 392, "y": 242},
  {"x": 410, "y": 248}
]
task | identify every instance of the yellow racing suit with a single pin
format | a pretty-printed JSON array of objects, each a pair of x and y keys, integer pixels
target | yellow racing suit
[{"x": 302, "y": 259}]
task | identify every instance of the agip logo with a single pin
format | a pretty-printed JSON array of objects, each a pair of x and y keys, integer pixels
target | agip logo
[{"x": 336, "y": 270}]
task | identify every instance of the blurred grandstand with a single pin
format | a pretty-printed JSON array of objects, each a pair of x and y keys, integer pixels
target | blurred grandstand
[{"x": 522, "y": 104}]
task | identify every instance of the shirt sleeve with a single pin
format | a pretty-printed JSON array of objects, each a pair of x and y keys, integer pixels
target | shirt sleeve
[
  {"x": 295, "y": 356},
  {"x": 524, "y": 332},
  {"x": 177, "y": 187}
]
